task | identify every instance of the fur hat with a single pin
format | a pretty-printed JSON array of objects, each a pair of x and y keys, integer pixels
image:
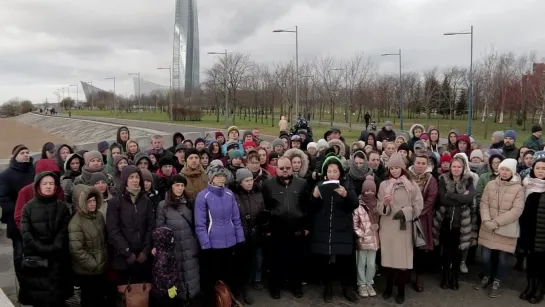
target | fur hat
[
  {"x": 277, "y": 142},
  {"x": 216, "y": 170},
  {"x": 232, "y": 128},
  {"x": 146, "y": 175},
  {"x": 243, "y": 173},
  {"x": 396, "y": 160},
  {"x": 510, "y": 164},
  {"x": 369, "y": 185},
  {"x": 90, "y": 155},
  {"x": 166, "y": 161},
  {"x": 96, "y": 177}
]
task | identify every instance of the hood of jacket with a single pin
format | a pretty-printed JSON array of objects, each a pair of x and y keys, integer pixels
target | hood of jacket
[
  {"x": 69, "y": 160},
  {"x": 295, "y": 152},
  {"x": 363, "y": 135},
  {"x": 116, "y": 160},
  {"x": 411, "y": 131},
  {"x": 58, "y": 154},
  {"x": 127, "y": 171},
  {"x": 360, "y": 144},
  {"x": 141, "y": 155},
  {"x": 42, "y": 175},
  {"x": 177, "y": 135},
  {"x": 188, "y": 173},
  {"x": 340, "y": 144},
  {"x": 47, "y": 165},
  {"x": 492, "y": 157},
  {"x": 463, "y": 156},
  {"x": 81, "y": 194},
  {"x": 118, "y": 135}
]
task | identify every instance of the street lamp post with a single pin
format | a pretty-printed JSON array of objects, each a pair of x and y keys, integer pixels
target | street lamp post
[
  {"x": 68, "y": 94},
  {"x": 226, "y": 88},
  {"x": 112, "y": 78},
  {"x": 296, "y": 66},
  {"x": 170, "y": 90},
  {"x": 139, "y": 93},
  {"x": 400, "y": 89},
  {"x": 77, "y": 92},
  {"x": 470, "y": 92}
]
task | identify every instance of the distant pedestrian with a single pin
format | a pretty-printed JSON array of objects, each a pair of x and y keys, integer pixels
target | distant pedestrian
[
  {"x": 367, "y": 119},
  {"x": 283, "y": 124},
  {"x": 534, "y": 141}
]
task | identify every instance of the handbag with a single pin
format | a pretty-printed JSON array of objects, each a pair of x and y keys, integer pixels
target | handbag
[
  {"x": 511, "y": 230},
  {"x": 135, "y": 295},
  {"x": 223, "y": 296},
  {"x": 419, "y": 238}
]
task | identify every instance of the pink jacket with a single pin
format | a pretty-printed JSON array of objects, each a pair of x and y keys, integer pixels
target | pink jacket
[{"x": 367, "y": 238}]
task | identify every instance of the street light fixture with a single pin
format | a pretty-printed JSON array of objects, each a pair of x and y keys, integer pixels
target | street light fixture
[
  {"x": 400, "y": 88},
  {"x": 226, "y": 89},
  {"x": 112, "y": 78},
  {"x": 139, "y": 93},
  {"x": 77, "y": 92},
  {"x": 470, "y": 94},
  {"x": 170, "y": 90},
  {"x": 296, "y": 31}
]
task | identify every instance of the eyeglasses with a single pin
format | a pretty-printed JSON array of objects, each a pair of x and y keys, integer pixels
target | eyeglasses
[{"x": 285, "y": 168}]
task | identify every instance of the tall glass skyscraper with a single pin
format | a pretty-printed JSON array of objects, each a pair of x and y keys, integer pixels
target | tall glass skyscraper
[{"x": 185, "y": 57}]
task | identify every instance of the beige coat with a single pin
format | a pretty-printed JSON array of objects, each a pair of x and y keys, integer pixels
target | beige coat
[
  {"x": 502, "y": 202},
  {"x": 397, "y": 245},
  {"x": 283, "y": 124}
]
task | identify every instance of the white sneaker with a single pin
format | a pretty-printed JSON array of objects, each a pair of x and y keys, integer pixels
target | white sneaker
[
  {"x": 463, "y": 267},
  {"x": 371, "y": 291},
  {"x": 362, "y": 291}
]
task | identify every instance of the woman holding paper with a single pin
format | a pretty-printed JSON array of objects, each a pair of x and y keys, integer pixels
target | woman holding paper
[
  {"x": 399, "y": 201},
  {"x": 334, "y": 201}
]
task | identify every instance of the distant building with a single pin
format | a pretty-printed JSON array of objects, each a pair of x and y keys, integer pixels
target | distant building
[
  {"x": 148, "y": 87},
  {"x": 89, "y": 89}
]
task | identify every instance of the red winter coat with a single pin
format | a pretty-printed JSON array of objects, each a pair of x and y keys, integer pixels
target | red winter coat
[{"x": 26, "y": 194}]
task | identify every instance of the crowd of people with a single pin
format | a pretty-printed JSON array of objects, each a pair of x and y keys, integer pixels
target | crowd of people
[{"x": 237, "y": 209}]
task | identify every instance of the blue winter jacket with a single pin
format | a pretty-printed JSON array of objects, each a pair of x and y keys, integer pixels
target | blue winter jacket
[
  {"x": 217, "y": 219},
  {"x": 224, "y": 148}
]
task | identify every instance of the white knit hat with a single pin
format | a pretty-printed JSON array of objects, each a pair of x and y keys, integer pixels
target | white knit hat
[
  {"x": 321, "y": 144},
  {"x": 313, "y": 145},
  {"x": 510, "y": 164}
]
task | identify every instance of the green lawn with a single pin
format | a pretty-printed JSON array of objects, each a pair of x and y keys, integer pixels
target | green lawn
[{"x": 481, "y": 131}]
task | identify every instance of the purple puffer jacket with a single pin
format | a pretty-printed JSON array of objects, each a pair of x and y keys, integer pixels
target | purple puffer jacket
[{"x": 217, "y": 219}]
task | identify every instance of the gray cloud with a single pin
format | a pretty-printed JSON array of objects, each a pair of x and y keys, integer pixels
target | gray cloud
[{"x": 50, "y": 44}]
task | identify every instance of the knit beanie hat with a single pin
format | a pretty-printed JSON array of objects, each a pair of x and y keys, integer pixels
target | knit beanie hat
[
  {"x": 180, "y": 146},
  {"x": 218, "y": 134},
  {"x": 369, "y": 185},
  {"x": 191, "y": 151},
  {"x": 166, "y": 161},
  {"x": 404, "y": 146},
  {"x": 243, "y": 173},
  {"x": 510, "y": 134},
  {"x": 216, "y": 170},
  {"x": 246, "y": 133},
  {"x": 492, "y": 151},
  {"x": 396, "y": 160},
  {"x": 146, "y": 175},
  {"x": 90, "y": 155},
  {"x": 277, "y": 142},
  {"x": 510, "y": 164},
  {"x": 273, "y": 156},
  {"x": 387, "y": 123},
  {"x": 498, "y": 135},
  {"x": 538, "y": 155},
  {"x": 419, "y": 144},
  {"x": 96, "y": 177},
  {"x": 17, "y": 149},
  {"x": 445, "y": 158},
  {"x": 235, "y": 154},
  {"x": 103, "y": 146},
  {"x": 476, "y": 153},
  {"x": 175, "y": 179},
  {"x": 333, "y": 160},
  {"x": 425, "y": 136},
  {"x": 232, "y": 128},
  {"x": 188, "y": 141},
  {"x": 536, "y": 128},
  {"x": 199, "y": 140},
  {"x": 322, "y": 144},
  {"x": 249, "y": 144},
  {"x": 312, "y": 145}
]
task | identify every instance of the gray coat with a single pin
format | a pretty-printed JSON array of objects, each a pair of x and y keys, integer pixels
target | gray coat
[{"x": 187, "y": 245}]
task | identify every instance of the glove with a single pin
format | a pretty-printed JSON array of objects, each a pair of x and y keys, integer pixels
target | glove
[
  {"x": 490, "y": 225},
  {"x": 399, "y": 215},
  {"x": 131, "y": 259},
  {"x": 142, "y": 258},
  {"x": 374, "y": 227}
]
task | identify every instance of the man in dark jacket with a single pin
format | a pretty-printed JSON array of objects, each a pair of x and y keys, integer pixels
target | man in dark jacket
[
  {"x": 386, "y": 134},
  {"x": 19, "y": 174},
  {"x": 286, "y": 198},
  {"x": 534, "y": 141},
  {"x": 177, "y": 139},
  {"x": 367, "y": 119},
  {"x": 509, "y": 148},
  {"x": 157, "y": 143}
]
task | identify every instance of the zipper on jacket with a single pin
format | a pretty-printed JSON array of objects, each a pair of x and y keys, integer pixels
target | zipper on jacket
[
  {"x": 330, "y": 223},
  {"x": 287, "y": 193},
  {"x": 136, "y": 220}
]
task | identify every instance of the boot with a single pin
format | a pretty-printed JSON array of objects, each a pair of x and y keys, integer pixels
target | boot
[
  {"x": 400, "y": 297},
  {"x": 388, "y": 291},
  {"x": 350, "y": 294},
  {"x": 445, "y": 280},
  {"x": 453, "y": 281},
  {"x": 328, "y": 292},
  {"x": 537, "y": 297},
  {"x": 519, "y": 266},
  {"x": 419, "y": 285},
  {"x": 530, "y": 289},
  {"x": 247, "y": 298}
]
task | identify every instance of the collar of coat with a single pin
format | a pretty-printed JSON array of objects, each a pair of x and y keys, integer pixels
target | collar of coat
[{"x": 459, "y": 187}]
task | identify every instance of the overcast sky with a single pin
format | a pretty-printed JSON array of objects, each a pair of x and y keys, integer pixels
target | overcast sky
[{"x": 48, "y": 44}]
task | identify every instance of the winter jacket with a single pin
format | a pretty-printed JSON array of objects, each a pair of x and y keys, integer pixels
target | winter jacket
[
  {"x": 69, "y": 176},
  {"x": 288, "y": 204},
  {"x": 12, "y": 180},
  {"x": 240, "y": 149},
  {"x": 502, "y": 203},
  {"x": 60, "y": 163},
  {"x": 26, "y": 194},
  {"x": 165, "y": 273},
  {"x": 119, "y": 185},
  {"x": 44, "y": 230},
  {"x": 161, "y": 184},
  {"x": 217, "y": 218},
  {"x": 178, "y": 216},
  {"x": 429, "y": 194},
  {"x": 172, "y": 149},
  {"x": 396, "y": 244},
  {"x": 484, "y": 179},
  {"x": 534, "y": 143},
  {"x": 511, "y": 152},
  {"x": 129, "y": 223},
  {"x": 414, "y": 138},
  {"x": 366, "y": 238},
  {"x": 250, "y": 204},
  {"x": 87, "y": 234},
  {"x": 85, "y": 178},
  {"x": 532, "y": 224},
  {"x": 385, "y": 135},
  {"x": 196, "y": 181},
  {"x": 455, "y": 206}
]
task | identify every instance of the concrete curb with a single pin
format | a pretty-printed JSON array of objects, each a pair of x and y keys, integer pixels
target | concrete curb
[{"x": 4, "y": 300}]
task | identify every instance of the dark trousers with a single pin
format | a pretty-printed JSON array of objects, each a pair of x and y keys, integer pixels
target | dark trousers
[
  {"x": 396, "y": 276},
  {"x": 244, "y": 260},
  {"x": 135, "y": 274},
  {"x": 217, "y": 264},
  {"x": 340, "y": 266},
  {"x": 287, "y": 254},
  {"x": 535, "y": 266},
  {"x": 366, "y": 124},
  {"x": 422, "y": 260},
  {"x": 452, "y": 255},
  {"x": 17, "y": 243},
  {"x": 94, "y": 289}
]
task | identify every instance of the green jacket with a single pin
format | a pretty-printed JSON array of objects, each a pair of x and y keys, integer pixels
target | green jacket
[
  {"x": 484, "y": 179},
  {"x": 534, "y": 143},
  {"x": 510, "y": 154},
  {"x": 86, "y": 234}
]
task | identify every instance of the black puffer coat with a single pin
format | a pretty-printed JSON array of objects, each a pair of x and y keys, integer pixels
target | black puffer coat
[
  {"x": 250, "y": 205},
  {"x": 333, "y": 227},
  {"x": 178, "y": 216},
  {"x": 532, "y": 224},
  {"x": 44, "y": 227}
]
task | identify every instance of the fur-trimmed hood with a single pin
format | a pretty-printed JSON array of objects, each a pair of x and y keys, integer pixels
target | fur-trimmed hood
[
  {"x": 295, "y": 152},
  {"x": 81, "y": 194},
  {"x": 69, "y": 160},
  {"x": 411, "y": 131},
  {"x": 340, "y": 144},
  {"x": 360, "y": 144}
]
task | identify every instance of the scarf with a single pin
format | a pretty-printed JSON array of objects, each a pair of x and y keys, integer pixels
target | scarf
[
  {"x": 393, "y": 182},
  {"x": 178, "y": 201},
  {"x": 384, "y": 158},
  {"x": 533, "y": 185},
  {"x": 86, "y": 172},
  {"x": 369, "y": 202},
  {"x": 359, "y": 173},
  {"x": 421, "y": 179},
  {"x": 133, "y": 193}
]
